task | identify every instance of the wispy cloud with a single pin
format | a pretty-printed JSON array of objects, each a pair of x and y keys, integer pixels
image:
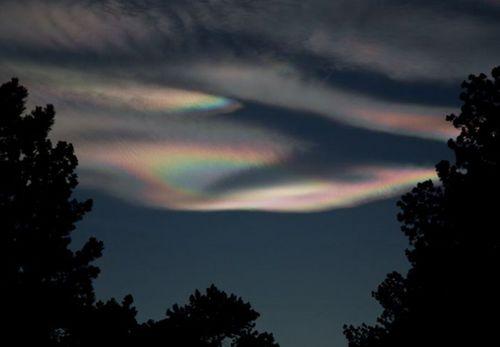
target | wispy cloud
[
  {"x": 405, "y": 40},
  {"x": 287, "y": 89},
  {"x": 160, "y": 97}
]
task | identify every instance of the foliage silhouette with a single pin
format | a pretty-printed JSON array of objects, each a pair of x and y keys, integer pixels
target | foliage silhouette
[
  {"x": 48, "y": 292},
  {"x": 212, "y": 319},
  {"x": 47, "y": 284},
  {"x": 450, "y": 295}
]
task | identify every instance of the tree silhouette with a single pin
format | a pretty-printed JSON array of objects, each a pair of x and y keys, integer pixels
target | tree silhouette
[
  {"x": 212, "y": 319},
  {"x": 105, "y": 324},
  {"x": 48, "y": 290},
  {"x": 47, "y": 284},
  {"x": 451, "y": 294}
]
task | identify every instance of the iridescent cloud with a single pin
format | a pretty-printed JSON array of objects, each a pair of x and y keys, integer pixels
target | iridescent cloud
[
  {"x": 408, "y": 123},
  {"x": 149, "y": 98},
  {"x": 54, "y": 84},
  {"x": 310, "y": 195},
  {"x": 147, "y": 155},
  {"x": 176, "y": 175},
  {"x": 287, "y": 88},
  {"x": 276, "y": 85},
  {"x": 180, "y": 176},
  {"x": 141, "y": 93}
]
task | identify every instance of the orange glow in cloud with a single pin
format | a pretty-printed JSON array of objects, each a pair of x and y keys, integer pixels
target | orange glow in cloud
[{"x": 421, "y": 125}]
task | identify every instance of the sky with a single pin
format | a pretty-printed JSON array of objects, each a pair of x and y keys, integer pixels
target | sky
[{"x": 258, "y": 145}]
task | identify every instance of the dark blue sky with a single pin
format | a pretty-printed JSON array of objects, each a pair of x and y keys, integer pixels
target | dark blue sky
[
  {"x": 307, "y": 274},
  {"x": 258, "y": 145}
]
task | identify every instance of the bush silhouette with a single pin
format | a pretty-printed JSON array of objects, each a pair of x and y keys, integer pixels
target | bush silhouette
[
  {"x": 450, "y": 295},
  {"x": 48, "y": 292}
]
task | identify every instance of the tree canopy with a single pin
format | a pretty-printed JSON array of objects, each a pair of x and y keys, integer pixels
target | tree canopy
[
  {"x": 49, "y": 298},
  {"x": 450, "y": 295},
  {"x": 47, "y": 284},
  {"x": 211, "y": 319}
]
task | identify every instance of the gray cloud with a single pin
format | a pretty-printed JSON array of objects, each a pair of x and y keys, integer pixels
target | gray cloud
[
  {"x": 402, "y": 39},
  {"x": 138, "y": 83}
]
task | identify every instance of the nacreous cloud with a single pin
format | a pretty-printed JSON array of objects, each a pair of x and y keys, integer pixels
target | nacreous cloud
[
  {"x": 179, "y": 176},
  {"x": 184, "y": 104},
  {"x": 289, "y": 90},
  {"x": 171, "y": 152}
]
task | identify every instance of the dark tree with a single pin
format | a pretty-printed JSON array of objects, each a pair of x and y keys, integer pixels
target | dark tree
[
  {"x": 106, "y": 324},
  {"x": 451, "y": 294},
  {"x": 47, "y": 289},
  {"x": 213, "y": 319},
  {"x": 46, "y": 284}
]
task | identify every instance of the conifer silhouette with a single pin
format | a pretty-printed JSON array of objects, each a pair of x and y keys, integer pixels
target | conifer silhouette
[{"x": 450, "y": 295}]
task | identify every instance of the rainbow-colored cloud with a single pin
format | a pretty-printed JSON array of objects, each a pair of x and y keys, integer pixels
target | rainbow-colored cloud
[
  {"x": 284, "y": 87},
  {"x": 67, "y": 86},
  {"x": 310, "y": 195},
  {"x": 180, "y": 176},
  {"x": 168, "y": 147},
  {"x": 177, "y": 173}
]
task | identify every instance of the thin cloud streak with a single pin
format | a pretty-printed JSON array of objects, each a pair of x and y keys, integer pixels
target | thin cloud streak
[
  {"x": 290, "y": 90},
  {"x": 315, "y": 195}
]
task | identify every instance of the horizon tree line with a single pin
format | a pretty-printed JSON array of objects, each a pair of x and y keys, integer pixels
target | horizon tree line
[{"x": 448, "y": 297}]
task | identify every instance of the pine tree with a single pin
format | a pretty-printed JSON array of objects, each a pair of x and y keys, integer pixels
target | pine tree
[
  {"x": 47, "y": 284},
  {"x": 450, "y": 295}
]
